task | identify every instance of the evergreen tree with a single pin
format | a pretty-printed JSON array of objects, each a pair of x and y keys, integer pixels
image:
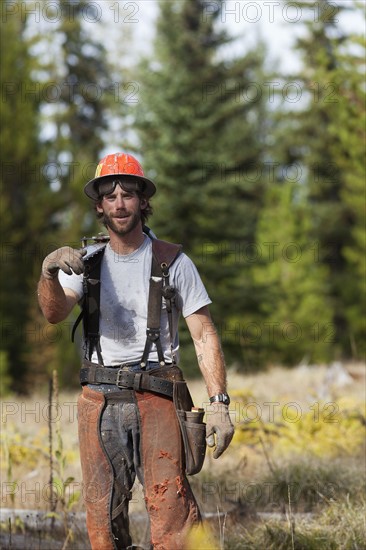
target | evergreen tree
[
  {"x": 348, "y": 150},
  {"x": 324, "y": 136},
  {"x": 84, "y": 87},
  {"x": 296, "y": 315},
  {"x": 201, "y": 129},
  {"x": 25, "y": 202},
  {"x": 53, "y": 119}
]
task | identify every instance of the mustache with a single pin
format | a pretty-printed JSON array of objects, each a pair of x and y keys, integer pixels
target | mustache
[{"x": 119, "y": 213}]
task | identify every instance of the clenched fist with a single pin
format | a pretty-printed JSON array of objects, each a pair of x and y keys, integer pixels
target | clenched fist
[{"x": 65, "y": 258}]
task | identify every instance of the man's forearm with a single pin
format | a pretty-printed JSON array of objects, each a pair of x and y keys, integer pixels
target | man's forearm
[
  {"x": 211, "y": 361},
  {"x": 52, "y": 300},
  {"x": 208, "y": 349}
]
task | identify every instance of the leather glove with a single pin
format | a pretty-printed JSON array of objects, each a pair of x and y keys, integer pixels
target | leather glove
[
  {"x": 66, "y": 258},
  {"x": 218, "y": 423}
]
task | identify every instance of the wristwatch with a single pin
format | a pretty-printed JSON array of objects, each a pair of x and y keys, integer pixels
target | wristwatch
[{"x": 220, "y": 398}]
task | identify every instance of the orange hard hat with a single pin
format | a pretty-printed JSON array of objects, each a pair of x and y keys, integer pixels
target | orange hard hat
[{"x": 119, "y": 164}]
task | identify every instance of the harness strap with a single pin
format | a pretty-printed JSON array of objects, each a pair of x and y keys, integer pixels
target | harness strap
[
  {"x": 163, "y": 255},
  {"x": 168, "y": 293},
  {"x": 90, "y": 305},
  {"x": 76, "y": 324},
  {"x": 153, "y": 314},
  {"x": 91, "y": 318}
]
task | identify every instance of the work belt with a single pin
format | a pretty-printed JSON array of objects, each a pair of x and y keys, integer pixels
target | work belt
[{"x": 127, "y": 379}]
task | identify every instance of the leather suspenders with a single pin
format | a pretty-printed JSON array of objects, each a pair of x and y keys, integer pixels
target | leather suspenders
[{"x": 163, "y": 255}]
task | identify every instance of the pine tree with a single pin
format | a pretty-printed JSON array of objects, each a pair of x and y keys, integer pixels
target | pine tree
[
  {"x": 25, "y": 203},
  {"x": 296, "y": 314},
  {"x": 348, "y": 150},
  {"x": 201, "y": 136},
  {"x": 53, "y": 119},
  {"x": 324, "y": 136},
  {"x": 84, "y": 88}
]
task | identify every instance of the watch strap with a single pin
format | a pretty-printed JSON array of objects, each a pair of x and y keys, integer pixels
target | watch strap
[{"x": 220, "y": 398}]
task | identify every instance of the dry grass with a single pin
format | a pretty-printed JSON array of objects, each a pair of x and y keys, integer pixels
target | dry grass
[
  {"x": 229, "y": 484},
  {"x": 340, "y": 526},
  {"x": 305, "y": 390}
]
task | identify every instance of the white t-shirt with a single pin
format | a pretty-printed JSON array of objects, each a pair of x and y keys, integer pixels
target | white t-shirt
[{"x": 124, "y": 297}]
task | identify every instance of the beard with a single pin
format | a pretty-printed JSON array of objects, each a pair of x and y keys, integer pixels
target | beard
[{"x": 128, "y": 225}]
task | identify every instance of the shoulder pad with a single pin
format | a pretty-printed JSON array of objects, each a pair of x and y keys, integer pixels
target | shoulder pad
[{"x": 165, "y": 252}]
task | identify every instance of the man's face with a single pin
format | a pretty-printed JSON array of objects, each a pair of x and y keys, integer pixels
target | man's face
[{"x": 121, "y": 210}]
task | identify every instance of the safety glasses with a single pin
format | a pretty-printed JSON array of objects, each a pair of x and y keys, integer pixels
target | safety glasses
[{"x": 108, "y": 186}]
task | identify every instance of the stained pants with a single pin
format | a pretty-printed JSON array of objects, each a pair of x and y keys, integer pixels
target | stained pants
[{"x": 122, "y": 438}]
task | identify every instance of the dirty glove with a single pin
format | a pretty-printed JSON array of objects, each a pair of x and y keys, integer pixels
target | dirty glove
[
  {"x": 218, "y": 423},
  {"x": 66, "y": 258}
]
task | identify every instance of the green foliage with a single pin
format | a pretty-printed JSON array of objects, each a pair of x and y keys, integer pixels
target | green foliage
[
  {"x": 348, "y": 132},
  {"x": 81, "y": 75},
  {"x": 43, "y": 204},
  {"x": 192, "y": 129},
  {"x": 326, "y": 140},
  {"x": 296, "y": 305},
  {"x": 22, "y": 192}
]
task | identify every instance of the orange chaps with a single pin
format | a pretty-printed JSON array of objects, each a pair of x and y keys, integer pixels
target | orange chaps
[{"x": 109, "y": 472}]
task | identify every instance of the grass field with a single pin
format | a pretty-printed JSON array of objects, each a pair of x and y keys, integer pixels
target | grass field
[{"x": 294, "y": 476}]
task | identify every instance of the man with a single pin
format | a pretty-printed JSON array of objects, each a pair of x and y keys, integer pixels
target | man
[{"x": 128, "y": 424}]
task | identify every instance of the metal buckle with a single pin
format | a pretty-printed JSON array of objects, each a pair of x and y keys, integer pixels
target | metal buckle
[
  {"x": 134, "y": 382},
  {"x": 118, "y": 379},
  {"x": 153, "y": 334}
]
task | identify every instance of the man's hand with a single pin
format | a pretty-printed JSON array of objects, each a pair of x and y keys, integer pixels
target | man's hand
[
  {"x": 218, "y": 423},
  {"x": 66, "y": 258}
]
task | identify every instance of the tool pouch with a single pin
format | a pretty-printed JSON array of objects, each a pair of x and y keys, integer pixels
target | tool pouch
[{"x": 192, "y": 427}]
